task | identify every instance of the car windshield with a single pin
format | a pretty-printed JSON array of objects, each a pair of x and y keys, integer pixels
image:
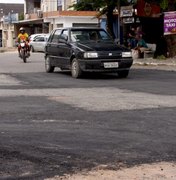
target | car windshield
[{"x": 89, "y": 35}]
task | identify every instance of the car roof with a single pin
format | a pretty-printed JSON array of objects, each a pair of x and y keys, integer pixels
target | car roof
[
  {"x": 40, "y": 34},
  {"x": 77, "y": 28}
]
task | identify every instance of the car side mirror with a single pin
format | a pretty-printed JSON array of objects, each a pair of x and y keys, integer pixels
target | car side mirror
[{"x": 63, "y": 38}]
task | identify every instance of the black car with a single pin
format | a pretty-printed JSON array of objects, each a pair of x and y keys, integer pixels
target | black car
[{"x": 86, "y": 50}]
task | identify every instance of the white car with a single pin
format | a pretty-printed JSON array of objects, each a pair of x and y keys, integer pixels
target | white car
[
  {"x": 38, "y": 42},
  {"x": 33, "y": 36}
]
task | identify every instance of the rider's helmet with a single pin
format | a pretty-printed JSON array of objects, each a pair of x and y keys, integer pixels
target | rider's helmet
[{"x": 22, "y": 30}]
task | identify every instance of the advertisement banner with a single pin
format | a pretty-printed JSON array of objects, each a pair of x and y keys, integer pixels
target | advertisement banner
[
  {"x": 170, "y": 23},
  {"x": 148, "y": 8}
]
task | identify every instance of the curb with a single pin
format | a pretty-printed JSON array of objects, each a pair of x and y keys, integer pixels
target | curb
[
  {"x": 2, "y": 50},
  {"x": 154, "y": 62}
]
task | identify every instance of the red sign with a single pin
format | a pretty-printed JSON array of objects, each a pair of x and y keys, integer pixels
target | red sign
[{"x": 148, "y": 8}]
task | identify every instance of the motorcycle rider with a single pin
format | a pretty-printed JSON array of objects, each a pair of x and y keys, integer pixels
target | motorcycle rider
[{"x": 23, "y": 36}]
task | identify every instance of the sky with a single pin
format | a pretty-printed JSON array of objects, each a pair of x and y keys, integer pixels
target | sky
[{"x": 11, "y": 1}]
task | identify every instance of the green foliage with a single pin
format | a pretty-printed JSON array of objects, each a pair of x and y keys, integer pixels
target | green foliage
[
  {"x": 21, "y": 17},
  {"x": 94, "y": 5},
  {"x": 88, "y": 5}
]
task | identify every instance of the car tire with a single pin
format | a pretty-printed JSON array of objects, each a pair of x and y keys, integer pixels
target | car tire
[
  {"x": 48, "y": 67},
  {"x": 76, "y": 71},
  {"x": 32, "y": 49},
  {"x": 123, "y": 74}
]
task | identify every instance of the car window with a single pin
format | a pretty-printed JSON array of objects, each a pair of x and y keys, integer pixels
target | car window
[
  {"x": 89, "y": 35},
  {"x": 39, "y": 39},
  {"x": 104, "y": 36},
  {"x": 33, "y": 36},
  {"x": 79, "y": 35},
  {"x": 65, "y": 33},
  {"x": 55, "y": 37},
  {"x": 46, "y": 37}
]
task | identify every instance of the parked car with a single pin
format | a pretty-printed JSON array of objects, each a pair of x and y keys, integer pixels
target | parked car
[
  {"x": 37, "y": 42},
  {"x": 86, "y": 50},
  {"x": 33, "y": 36}
]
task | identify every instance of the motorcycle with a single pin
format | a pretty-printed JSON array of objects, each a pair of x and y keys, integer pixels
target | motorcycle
[{"x": 23, "y": 51}]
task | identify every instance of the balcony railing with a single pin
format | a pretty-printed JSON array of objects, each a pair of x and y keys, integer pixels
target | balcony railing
[
  {"x": 41, "y": 14},
  {"x": 69, "y": 13}
]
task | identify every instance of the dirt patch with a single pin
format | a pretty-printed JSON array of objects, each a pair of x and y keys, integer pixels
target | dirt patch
[{"x": 156, "y": 171}]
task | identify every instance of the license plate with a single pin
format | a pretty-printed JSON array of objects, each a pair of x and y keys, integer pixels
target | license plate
[
  {"x": 111, "y": 65},
  {"x": 22, "y": 44}
]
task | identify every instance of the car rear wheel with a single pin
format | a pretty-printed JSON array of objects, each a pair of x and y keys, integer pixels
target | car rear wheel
[
  {"x": 123, "y": 74},
  {"x": 75, "y": 69},
  {"x": 48, "y": 67}
]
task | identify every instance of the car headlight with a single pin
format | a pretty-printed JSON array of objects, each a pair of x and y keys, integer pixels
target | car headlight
[
  {"x": 90, "y": 55},
  {"x": 126, "y": 54}
]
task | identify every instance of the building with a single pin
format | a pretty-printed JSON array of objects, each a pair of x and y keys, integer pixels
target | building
[
  {"x": 42, "y": 16},
  {"x": 9, "y": 14}
]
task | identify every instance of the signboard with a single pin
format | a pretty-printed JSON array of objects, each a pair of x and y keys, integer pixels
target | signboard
[
  {"x": 126, "y": 11},
  {"x": 128, "y": 20},
  {"x": 170, "y": 23}
]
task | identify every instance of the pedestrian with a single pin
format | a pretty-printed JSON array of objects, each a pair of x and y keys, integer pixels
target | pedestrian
[
  {"x": 139, "y": 31},
  {"x": 131, "y": 40},
  {"x": 141, "y": 46}
]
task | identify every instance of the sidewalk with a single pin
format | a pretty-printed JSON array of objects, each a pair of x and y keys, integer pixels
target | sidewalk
[
  {"x": 155, "y": 62},
  {"x": 7, "y": 49}
]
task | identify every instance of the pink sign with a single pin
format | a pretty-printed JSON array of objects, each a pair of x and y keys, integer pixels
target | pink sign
[{"x": 170, "y": 23}]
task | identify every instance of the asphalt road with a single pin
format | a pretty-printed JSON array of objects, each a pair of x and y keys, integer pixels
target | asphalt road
[{"x": 52, "y": 124}]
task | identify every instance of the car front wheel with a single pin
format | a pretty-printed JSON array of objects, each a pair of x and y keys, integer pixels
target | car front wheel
[
  {"x": 123, "y": 74},
  {"x": 75, "y": 69},
  {"x": 48, "y": 67}
]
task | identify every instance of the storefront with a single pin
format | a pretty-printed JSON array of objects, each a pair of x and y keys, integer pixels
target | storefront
[{"x": 32, "y": 26}]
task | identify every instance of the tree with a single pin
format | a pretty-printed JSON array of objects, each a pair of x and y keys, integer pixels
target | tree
[
  {"x": 89, "y": 5},
  {"x": 108, "y": 10},
  {"x": 104, "y": 7}
]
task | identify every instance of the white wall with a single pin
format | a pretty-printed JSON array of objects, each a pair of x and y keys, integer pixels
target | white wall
[{"x": 68, "y": 21}]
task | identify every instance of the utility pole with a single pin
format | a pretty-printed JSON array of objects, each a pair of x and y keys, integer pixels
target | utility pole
[{"x": 118, "y": 6}]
